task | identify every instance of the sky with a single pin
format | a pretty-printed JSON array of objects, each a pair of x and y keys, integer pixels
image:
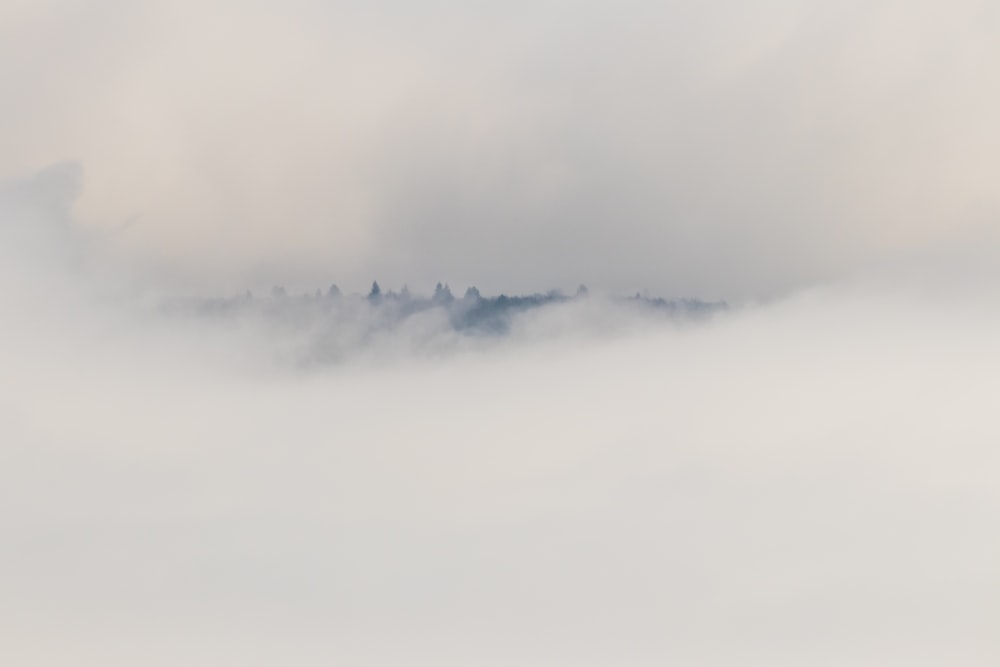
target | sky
[
  {"x": 190, "y": 476},
  {"x": 725, "y": 150}
]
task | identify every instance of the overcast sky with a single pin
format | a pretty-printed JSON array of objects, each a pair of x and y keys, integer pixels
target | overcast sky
[
  {"x": 808, "y": 477},
  {"x": 722, "y": 150}
]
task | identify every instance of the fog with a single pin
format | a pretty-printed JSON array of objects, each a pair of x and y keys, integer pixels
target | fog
[
  {"x": 725, "y": 150},
  {"x": 765, "y": 434},
  {"x": 809, "y": 480}
]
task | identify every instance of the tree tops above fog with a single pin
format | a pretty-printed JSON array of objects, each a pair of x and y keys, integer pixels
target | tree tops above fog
[{"x": 472, "y": 313}]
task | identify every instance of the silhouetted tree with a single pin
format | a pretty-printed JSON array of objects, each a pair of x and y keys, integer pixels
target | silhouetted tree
[
  {"x": 333, "y": 292},
  {"x": 442, "y": 294},
  {"x": 376, "y": 293}
]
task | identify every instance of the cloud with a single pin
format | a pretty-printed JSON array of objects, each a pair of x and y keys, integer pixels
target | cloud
[
  {"x": 811, "y": 480},
  {"x": 192, "y": 478},
  {"x": 732, "y": 151},
  {"x": 808, "y": 480}
]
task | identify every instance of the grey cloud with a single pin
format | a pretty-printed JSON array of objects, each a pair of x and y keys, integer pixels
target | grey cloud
[
  {"x": 801, "y": 480},
  {"x": 804, "y": 481},
  {"x": 728, "y": 151},
  {"x": 807, "y": 481}
]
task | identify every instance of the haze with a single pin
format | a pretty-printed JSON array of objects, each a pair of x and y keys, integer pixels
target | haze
[
  {"x": 722, "y": 150},
  {"x": 765, "y": 435}
]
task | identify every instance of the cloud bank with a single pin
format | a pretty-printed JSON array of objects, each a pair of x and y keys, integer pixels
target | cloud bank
[
  {"x": 191, "y": 478},
  {"x": 725, "y": 151},
  {"x": 810, "y": 481}
]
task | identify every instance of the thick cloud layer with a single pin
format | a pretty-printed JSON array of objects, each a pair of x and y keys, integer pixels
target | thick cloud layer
[
  {"x": 807, "y": 482},
  {"x": 721, "y": 150},
  {"x": 812, "y": 482},
  {"x": 191, "y": 478}
]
